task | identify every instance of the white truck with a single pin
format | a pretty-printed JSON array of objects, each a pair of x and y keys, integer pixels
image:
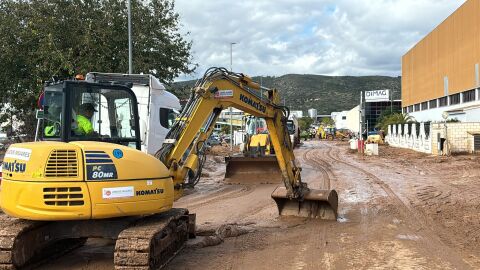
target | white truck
[{"x": 157, "y": 108}]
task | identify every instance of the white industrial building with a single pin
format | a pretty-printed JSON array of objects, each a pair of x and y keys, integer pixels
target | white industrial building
[
  {"x": 340, "y": 119},
  {"x": 347, "y": 119},
  {"x": 312, "y": 113},
  {"x": 297, "y": 114},
  {"x": 463, "y": 111}
]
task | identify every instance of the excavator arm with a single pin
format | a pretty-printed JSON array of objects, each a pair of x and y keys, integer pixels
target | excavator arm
[{"x": 183, "y": 149}]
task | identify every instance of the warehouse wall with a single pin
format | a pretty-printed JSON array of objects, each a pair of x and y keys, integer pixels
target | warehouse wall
[{"x": 444, "y": 62}]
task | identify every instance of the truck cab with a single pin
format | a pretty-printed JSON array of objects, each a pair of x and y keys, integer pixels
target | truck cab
[{"x": 157, "y": 108}]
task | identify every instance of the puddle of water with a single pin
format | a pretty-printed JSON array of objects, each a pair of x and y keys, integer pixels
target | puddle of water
[
  {"x": 342, "y": 219},
  {"x": 355, "y": 196}
]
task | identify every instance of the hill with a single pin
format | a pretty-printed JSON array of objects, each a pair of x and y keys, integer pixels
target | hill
[{"x": 324, "y": 93}]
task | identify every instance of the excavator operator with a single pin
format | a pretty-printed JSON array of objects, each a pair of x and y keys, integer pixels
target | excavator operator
[{"x": 84, "y": 116}]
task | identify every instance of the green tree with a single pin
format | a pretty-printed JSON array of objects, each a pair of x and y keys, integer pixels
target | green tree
[
  {"x": 305, "y": 123},
  {"x": 327, "y": 121},
  {"x": 45, "y": 39}
]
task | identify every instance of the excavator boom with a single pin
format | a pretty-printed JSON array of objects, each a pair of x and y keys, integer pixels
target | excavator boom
[{"x": 219, "y": 89}]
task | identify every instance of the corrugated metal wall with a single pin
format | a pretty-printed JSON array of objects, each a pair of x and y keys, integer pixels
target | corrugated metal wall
[{"x": 446, "y": 58}]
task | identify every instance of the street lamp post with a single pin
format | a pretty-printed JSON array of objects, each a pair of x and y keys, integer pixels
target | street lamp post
[
  {"x": 130, "y": 56},
  {"x": 231, "y": 119},
  {"x": 231, "y": 54}
]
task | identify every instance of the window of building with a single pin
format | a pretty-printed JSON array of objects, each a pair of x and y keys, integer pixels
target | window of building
[
  {"x": 410, "y": 108},
  {"x": 476, "y": 143},
  {"x": 433, "y": 104},
  {"x": 417, "y": 107},
  {"x": 455, "y": 99},
  {"x": 373, "y": 110},
  {"x": 442, "y": 102},
  {"x": 344, "y": 118},
  {"x": 469, "y": 96},
  {"x": 424, "y": 106}
]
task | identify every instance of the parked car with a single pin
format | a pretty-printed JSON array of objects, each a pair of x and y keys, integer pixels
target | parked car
[{"x": 213, "y": 141}]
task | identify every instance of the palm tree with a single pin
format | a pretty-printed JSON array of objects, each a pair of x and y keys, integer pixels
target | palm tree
[{"x": 394, "y": 119}]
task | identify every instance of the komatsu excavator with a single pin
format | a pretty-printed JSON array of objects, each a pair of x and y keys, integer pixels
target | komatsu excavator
[{"x": 82, "y": 182}]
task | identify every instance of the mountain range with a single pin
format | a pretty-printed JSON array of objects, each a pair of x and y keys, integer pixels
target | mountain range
[{"x": 325, "y": 93}]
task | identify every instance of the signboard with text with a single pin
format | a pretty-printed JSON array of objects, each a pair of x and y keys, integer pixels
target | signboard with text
[{"x": 377, "y": 95}]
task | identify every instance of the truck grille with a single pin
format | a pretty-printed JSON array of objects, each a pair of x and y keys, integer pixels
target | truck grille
[
  {"x": 63, "y": 196},
  {"x": 62, "y": 163}
]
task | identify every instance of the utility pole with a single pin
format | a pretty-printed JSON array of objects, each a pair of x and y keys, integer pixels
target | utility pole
[
  {"x": 231, "y": 119},
  {"x": 360, "y": 124},
  {"x": 231, "y": 55},
  {"x": 130, "y": 55},
  {"x": 391, "y": 101}
]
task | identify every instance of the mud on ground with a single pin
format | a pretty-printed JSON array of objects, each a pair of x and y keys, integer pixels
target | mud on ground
[{"x": 400, "y": 210}]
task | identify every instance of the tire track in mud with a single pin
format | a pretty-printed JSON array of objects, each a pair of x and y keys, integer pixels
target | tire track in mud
[
  {"x": 426, "y": 225},
  {"x": 324, "y": 169},
  {"x": 207, "y": 199},
  {"x": 318, "y": 234}
]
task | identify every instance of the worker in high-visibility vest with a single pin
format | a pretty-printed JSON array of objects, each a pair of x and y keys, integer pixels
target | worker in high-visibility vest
[{"x": 84, "y": 116}]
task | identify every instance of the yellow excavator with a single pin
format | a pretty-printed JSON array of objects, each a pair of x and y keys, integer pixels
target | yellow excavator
[
  {"x": 77, "y": 184},
  {"x": 257, "y": 163}
]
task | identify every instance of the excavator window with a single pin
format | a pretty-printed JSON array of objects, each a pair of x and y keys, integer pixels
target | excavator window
[
  {"x": 256, "y": 125},
  {"x": 90, "y": 112},
  {"x": 112, "y": 118},
  {"x": 51, "y": 126}
]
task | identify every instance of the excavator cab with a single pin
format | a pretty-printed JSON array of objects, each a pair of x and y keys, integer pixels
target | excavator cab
[{"x": 85, "y": 111}]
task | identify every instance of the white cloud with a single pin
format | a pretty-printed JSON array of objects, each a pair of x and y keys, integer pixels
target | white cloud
[{"x": 333, "y": 37}]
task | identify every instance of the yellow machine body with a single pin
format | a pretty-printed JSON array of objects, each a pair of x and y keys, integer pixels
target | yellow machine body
[
  {"x": 260, "y": 142},
  {"x": 82, "y": 180}
]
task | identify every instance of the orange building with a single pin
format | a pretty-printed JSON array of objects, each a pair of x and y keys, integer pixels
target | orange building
[{"x": 441, "y": 72}]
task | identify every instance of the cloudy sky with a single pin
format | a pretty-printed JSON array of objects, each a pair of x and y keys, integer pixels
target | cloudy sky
[{"x": 277, "y": 37}]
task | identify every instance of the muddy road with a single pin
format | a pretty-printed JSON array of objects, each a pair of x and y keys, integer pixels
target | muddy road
[{"x": 400, "y": 210}]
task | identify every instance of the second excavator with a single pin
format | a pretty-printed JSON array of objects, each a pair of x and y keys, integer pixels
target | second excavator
[
  {"x": 257, "y": 163},
  {"x": 86, "y": 181}
]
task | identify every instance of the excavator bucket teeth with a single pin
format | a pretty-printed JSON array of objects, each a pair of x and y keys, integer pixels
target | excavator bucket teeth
[
  {"x": 321, "y": 204},
  {"x": 252, "y": 170}
]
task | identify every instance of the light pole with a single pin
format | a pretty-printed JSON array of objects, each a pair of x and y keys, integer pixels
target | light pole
[
  {"x": 231, "y": 124},
  {"x": 231, "y": 54},
  {"x": 130, "y": 60}
]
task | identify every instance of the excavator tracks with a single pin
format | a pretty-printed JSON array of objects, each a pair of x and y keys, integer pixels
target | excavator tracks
[
  {"x": 25, "y": 244},
  {"x": 152, "y": 242},
  {"x": 142, "y": 242}
]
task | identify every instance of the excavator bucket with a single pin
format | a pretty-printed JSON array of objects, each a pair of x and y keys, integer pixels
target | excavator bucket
[
  {"x": 316, "y": 203},
  {"x": 252, "y": 170}
]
